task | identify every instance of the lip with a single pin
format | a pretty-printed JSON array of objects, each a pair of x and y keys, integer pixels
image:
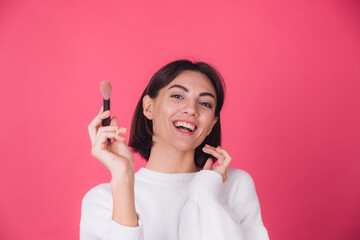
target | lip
[{"x": 187, "y": 121}]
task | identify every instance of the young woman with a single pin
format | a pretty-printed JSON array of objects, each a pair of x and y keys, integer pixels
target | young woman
[{"x": 178, "y": 195}]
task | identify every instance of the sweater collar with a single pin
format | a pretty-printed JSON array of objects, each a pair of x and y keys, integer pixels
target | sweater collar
[{"x": 167, "y": 178}]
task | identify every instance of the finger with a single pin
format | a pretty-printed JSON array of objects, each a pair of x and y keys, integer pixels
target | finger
[
  {"x": 208, "y": 146},
  {"x": 115, "y": 129},
  {"x": 101, "y": 109},
  {"x": 227, "y": 156},
  {"x": 208, "y": 164},
  {"x": 114, "y": 121},
  {"x": 103, "y": 136},
  {"x": 102, "y": 115},
  {"x": 96, "y": 123},
  {"x": 224, "y": 152},
  {"x": 214, "y": 152},
  {"x": 120, "y": 130}
]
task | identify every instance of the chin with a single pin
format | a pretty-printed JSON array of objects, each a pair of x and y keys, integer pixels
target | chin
[{"x": 185, "y": 146}]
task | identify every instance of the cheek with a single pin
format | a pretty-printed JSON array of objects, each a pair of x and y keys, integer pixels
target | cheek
[
  {"x": 162, "y": 114},
  {"x": 168, "y": 109},
  {"x": 208, "y": 122}
]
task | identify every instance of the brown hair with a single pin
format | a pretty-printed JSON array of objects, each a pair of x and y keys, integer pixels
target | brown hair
[{"x": 141, "y": 128}]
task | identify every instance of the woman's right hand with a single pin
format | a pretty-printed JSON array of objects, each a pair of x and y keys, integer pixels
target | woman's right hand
[{"x": 116, "y": 156}]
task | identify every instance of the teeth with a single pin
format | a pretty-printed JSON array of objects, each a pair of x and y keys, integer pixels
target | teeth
[{"x": 185, "y": 125}]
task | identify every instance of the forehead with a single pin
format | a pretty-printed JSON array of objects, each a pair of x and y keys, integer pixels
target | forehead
[{"x": 193, "y": 81}]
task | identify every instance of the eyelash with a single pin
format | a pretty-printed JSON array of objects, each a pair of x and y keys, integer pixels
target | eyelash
[
  {"x": 205, "y": 104},
  {"x": 176, "y": 96}
]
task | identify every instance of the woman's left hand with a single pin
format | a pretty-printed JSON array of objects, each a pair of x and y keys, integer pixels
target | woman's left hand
[{"x": 223, "y": 159}]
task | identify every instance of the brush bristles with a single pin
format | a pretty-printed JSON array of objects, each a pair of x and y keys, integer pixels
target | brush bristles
[{"x": 105, "y": 88}]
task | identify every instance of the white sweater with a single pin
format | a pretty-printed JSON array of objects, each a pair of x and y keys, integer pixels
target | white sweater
[{"x": 180, "y": 206}]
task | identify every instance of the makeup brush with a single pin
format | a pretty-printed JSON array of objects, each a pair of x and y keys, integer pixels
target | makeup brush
[{"x": 105, "y": 88}]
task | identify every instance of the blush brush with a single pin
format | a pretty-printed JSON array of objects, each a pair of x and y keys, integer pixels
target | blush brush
[{"x": 105, "y": 88}]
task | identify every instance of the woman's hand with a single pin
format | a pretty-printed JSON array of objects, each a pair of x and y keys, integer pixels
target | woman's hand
[
  {"x": 116, "y": 156},
  {"x": 223, "y": 159}
]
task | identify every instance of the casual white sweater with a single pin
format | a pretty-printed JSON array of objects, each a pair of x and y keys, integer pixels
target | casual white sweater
[{"x": 180, "y": 206}]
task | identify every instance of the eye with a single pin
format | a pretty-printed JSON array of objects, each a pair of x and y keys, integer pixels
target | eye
[
  {"x": 177, "y": 96},
  {"x": 206, "y": 104}
]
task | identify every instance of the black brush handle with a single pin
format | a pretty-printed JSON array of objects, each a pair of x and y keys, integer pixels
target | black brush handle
[{"x": 106, "y": 121}]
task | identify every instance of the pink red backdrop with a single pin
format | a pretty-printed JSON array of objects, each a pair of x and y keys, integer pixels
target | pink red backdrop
[{"x": 291, "y": 116}]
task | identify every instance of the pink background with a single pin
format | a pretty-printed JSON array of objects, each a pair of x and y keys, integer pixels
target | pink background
[{"x": 291, "y": 116}]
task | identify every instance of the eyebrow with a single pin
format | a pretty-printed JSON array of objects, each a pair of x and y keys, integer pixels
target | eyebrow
[{"x": 186, "y": 90}]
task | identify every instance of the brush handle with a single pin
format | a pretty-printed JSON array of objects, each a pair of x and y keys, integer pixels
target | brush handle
[{"x": 106, "y": 121}]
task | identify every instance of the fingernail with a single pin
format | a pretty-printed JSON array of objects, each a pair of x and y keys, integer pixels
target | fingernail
[{"x": 122, "y": 129}]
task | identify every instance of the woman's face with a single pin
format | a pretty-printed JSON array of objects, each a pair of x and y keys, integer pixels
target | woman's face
[{"x": 183, "y": 113}]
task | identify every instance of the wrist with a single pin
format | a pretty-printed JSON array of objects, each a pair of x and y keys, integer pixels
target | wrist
[
  {"x": 123, "y": 177},
  {"x": 121, "y": 182}
]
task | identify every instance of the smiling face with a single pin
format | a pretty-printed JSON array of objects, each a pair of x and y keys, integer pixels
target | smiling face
[{"x": 183, "y": 113}]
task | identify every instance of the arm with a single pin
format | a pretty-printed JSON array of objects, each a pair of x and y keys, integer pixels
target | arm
[
  {"x": 108, "y": 211},
  {"x": 97, "y": 217},
  {"x": 125, "y": 220},
  {"x": 246, "y": 207},
  {"x": 204, "y": 217},
  {"x": 124, "y": 202}
]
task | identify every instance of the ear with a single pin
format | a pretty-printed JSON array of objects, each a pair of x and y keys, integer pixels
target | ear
[
  {"x": 147, "y": 107},
  {"x": 212, "y": 125}
]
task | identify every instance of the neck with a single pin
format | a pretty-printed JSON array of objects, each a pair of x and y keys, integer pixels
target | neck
[{"x": 168, "y": 159}]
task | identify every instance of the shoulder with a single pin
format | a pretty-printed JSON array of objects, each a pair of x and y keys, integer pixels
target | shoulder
[
  {"x": 97, "y": 198},
  {"x": 101, "y": 191},
  {"x": 240, "y": 177},
  {"x": 239, "y": 186},
  {"x": 243, "y": 201}
]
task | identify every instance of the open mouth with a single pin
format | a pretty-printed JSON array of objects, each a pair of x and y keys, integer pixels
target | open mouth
[{"x": 185, "y": 126}]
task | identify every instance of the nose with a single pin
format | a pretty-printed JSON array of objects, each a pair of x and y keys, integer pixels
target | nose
[{"x": 191, "y": 109}]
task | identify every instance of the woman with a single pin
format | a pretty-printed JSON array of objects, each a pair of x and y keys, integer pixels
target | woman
[{"x": 178, "y": 195}]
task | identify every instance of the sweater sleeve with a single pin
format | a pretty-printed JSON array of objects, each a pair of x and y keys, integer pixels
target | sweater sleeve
[
  {"x": 96, "y": 218},
  {"x": 204, "y": 217},
  {"x": 246, "y": 207}
]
